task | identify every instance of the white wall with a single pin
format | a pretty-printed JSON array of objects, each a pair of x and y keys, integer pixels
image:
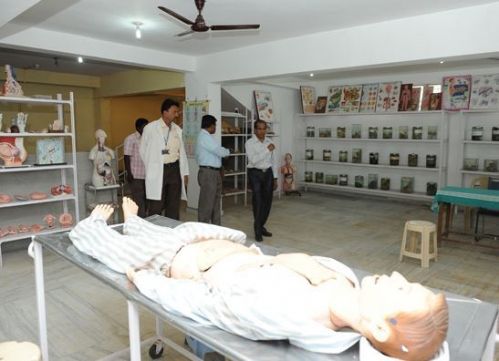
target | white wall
[
  {"x": 287, "y": 105},
  {"x": 285, "y": 101},
  {"x": 460, "y": 33}
]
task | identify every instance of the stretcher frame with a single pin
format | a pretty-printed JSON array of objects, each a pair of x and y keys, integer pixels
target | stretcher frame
[{"x": 471, "y": 336}]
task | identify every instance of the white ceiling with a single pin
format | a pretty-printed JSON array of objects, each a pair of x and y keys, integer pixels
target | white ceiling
[{"x": 111, "y": 21}]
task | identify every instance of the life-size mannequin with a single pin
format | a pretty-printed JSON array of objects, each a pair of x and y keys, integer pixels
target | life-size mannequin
[
  {"x": 102, "y": 157},
  {"x": 203, "y": 272}
]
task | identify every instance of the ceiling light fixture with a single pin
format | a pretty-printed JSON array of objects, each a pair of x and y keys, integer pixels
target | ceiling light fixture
[
  {"x": 311, "y": 75},
  {"x": 80, "y": 60},
  {"x": 442, "y": 61},
  {"x": 138, "y": 32}
]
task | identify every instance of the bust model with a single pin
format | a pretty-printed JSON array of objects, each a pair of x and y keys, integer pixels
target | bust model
[
  {"x": 288, "y": 171},
  {"x": 11, "y": 87},
  {"x": 12, "y": 150},
  {"x": 102, "y": 157}
]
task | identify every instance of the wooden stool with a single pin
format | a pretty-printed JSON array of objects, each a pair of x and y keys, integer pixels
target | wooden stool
[
  {"x": 426, "y": 229},
  {"x": 19, "y": 351}
]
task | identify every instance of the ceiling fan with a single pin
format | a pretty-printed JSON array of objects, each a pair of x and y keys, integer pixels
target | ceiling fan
[{"x": 199, "y": 25}]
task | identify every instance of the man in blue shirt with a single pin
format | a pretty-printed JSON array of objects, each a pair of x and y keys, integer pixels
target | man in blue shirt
[{"x": 209, "y": 157}]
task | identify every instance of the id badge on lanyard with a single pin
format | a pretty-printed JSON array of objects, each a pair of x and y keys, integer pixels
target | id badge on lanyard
[{"x": 165, "y": 150}]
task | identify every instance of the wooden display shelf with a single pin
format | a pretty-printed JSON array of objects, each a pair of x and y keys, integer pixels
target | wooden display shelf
[
  {"x": 367, "y": 165},
  {"x": 34, "y": 168},
  {"x": 370, "y": 113},
  {"x": 377, "y": 192},
  {"x": 420, "y": 141},
  {"x": 25, "y": 134},
  {"x": 16, "y": 203},
  {"x": 30, "y": 100},
  {"x": 480, "y": 172}
]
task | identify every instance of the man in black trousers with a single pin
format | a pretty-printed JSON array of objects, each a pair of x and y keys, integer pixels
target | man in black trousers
[{"x": 262, "y": 177}]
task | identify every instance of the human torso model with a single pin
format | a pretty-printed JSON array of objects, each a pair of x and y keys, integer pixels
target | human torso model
[
  {"x": 288, "y": 171},
  {"x": 102, "y": 157},
  {"x": 11, "y": 87}
]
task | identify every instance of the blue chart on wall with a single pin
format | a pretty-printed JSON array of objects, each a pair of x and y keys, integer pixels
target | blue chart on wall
[{"x": 193, "y": 112}]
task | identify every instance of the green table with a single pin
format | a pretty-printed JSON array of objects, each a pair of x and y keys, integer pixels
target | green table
[{"x": 469, "y": 197}]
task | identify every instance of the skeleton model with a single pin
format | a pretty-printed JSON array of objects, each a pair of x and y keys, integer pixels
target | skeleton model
[{"x": 11, "y": 87}]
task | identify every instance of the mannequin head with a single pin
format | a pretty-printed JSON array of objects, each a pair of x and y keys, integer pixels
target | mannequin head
[
  {"x": 288, "y": 159},
  {"x": 100, "y": 136},
  {"x": 401, "y": 319}
]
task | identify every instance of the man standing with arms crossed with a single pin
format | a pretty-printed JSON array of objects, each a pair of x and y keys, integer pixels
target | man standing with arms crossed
[
  {"x": 135, "y": 171},
  {"x": 262, "y": 177},
  {"x": 209, "y": 157},
  {"x": 167, "y": 171}
]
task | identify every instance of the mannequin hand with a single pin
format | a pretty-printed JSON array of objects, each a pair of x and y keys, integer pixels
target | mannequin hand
[{"x": 271, "y": 147}]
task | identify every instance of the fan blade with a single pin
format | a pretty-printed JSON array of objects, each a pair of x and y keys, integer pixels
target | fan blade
[
  {"x": 186, "y": 33},
  {"x": 175, "y": 15},
  {"x": 235, "y": 27}
]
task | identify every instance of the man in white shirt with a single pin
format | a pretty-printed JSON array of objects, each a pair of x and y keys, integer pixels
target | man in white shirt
[
  {"x": 262, "y": 177},
  {"x": 135, "y": 170},
  {"x": 167, "y": 171}
]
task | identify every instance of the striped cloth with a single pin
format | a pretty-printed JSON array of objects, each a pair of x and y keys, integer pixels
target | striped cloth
[{"x": 142, "y": 243}]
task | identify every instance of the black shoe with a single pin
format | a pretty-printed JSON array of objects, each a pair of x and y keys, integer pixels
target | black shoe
[
  {"x": 266, "y": 233},
  {"x": 259, "y": 238}
]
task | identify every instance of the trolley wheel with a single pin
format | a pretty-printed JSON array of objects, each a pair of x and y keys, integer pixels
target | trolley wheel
[{"x": 156, "y": 350}]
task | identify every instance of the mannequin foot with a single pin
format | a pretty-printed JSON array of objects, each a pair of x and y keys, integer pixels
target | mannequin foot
[
  {"x": 130, "y": 208},
  {"x": 103, "y": 210},
  {"x": 130, "y": 273}
]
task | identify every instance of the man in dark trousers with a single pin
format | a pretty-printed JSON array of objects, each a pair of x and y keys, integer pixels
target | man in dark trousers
[
  {"x": 209, "y": 156},
  {"x": 135, "y": 171},
  {"x": 262, "y": 177},
  {"x": 167, "y": 170}
]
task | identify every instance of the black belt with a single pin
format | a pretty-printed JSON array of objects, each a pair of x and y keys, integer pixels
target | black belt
[
  {"x": 171, "y": 165},
  {"x": 260, "y": 170},
  {"x": 208, "y": 167}
]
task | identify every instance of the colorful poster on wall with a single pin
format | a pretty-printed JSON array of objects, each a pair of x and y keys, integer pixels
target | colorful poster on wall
[
  {"x": 485, "y": 92},
  {"x": 427, "y": 92},
  {"x": 368, "y": 98},
  {"x": 334, "y": 98},
  {"x": 405, "y": 98},
  {"x": 264, "y": 106},
  {"x": 350, "y": 98},
  {"x": 456, "y": 92},
  {"x": 193, "y": 112},
  {"x": 415, "y": 98},
  {"x": 388, "y": 97},
  {"x": 307, "y": 99}
]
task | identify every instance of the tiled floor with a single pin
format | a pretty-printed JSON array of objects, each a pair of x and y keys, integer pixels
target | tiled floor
[{"x": 87, "y": 320}]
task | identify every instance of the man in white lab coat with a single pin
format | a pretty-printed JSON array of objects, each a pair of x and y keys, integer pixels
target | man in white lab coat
[{"x": 167, "y": 171}]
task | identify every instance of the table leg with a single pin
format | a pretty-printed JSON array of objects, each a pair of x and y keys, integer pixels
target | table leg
[
  {"x": 441, "y": 211},
  {"x": 134, "y": 331},
  {"x": 447, "y": 219},
  {"x": 40, "y": 299}
]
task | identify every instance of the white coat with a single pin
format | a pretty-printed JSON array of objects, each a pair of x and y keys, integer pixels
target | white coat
[{"x": 151, "y": 144}]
